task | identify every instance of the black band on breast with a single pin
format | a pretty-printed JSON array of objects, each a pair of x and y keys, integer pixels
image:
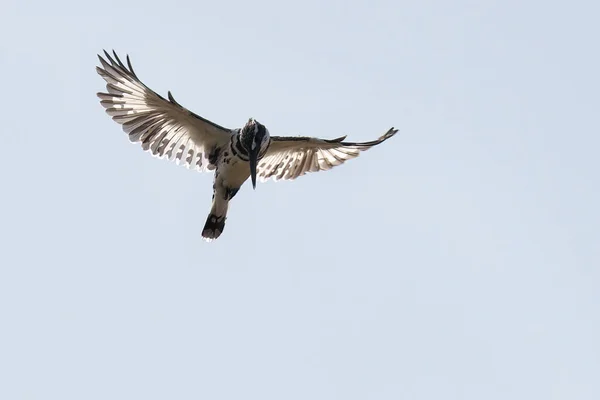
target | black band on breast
[{"x": 238, "y": 150}]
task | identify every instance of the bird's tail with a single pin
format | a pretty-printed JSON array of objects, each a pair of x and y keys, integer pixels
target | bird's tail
[{"x": 215, "y": 223}]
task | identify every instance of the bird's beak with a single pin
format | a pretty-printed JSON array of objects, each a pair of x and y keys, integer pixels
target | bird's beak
[{"x": 253, "y": 161}]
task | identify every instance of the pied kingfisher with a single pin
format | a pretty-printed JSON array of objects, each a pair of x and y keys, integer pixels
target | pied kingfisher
[{"x": 166, "y": 129}]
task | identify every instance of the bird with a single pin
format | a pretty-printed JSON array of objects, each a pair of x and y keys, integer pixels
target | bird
[{"x": 166, "y": 129}]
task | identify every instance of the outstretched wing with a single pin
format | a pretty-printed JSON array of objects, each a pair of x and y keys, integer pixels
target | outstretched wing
[
  {"x": 291, "y": 157},
  {"x": 163, "y": 127}
]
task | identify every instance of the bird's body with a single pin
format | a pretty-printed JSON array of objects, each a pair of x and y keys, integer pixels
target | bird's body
[
  {"x": 168, "y": 130},
  {"x": 230, "y": 174}
]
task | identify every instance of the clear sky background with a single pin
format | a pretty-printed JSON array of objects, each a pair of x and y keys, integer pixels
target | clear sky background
[{"x": 459, "y": 260}]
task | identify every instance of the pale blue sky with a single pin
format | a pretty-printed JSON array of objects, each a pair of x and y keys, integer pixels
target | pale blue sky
[{"x": 459, "y": 260}]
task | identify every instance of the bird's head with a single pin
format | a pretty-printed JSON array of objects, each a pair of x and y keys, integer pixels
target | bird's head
[{"x": 255, "y": 139}]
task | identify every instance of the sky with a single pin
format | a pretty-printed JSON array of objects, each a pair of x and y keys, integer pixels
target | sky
[{"x": 458, "y": 260}]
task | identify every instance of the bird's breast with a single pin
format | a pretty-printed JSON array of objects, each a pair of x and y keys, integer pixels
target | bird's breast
[{"x": 233, "y": 171}]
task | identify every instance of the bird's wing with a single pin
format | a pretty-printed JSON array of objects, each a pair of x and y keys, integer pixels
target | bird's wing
[
  {"x": 291, "y": 157},
  {"x": 162, "y": 127}
]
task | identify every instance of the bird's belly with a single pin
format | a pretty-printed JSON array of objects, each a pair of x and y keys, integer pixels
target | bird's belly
[{"x": 235, "y": 173}]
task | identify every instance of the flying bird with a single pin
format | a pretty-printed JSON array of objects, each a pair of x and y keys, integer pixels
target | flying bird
[{"x": 168, "y": 130}]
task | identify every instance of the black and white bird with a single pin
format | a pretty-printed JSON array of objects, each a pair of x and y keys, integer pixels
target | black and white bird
[{"x": 167, "y": 130}]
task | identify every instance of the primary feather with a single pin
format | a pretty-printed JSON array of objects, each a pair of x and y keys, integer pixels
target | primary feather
[
  {"x": 290, "y": 157},
  {"x": 162, "y": 127}
]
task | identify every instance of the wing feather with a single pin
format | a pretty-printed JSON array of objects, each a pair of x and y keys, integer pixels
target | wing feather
[
  {"x": 162, "y": 127},
  {"x": 290, "y": 157}
]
